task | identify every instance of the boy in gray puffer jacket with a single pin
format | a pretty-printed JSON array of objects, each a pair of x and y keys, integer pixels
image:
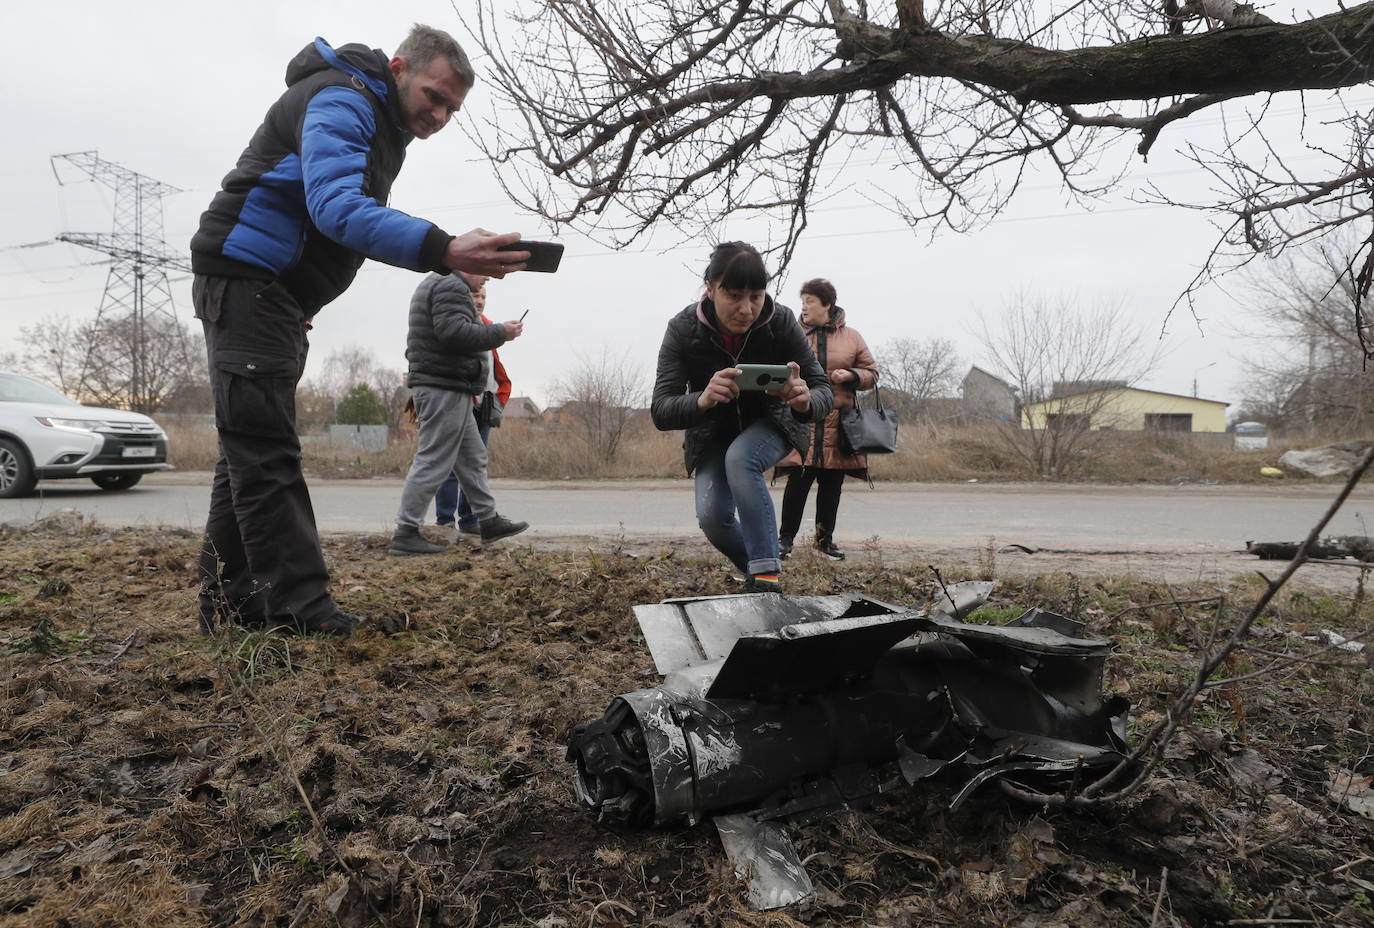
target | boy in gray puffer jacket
[{"x": 449, "y": 347}]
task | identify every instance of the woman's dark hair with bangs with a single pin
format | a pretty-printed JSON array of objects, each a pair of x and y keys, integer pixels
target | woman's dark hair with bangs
[
  {"x": 737, "y": 266},
  {"x": 821, "y": 289}
]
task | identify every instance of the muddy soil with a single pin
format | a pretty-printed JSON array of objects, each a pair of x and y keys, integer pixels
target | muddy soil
[{"x": 414, "y": 775}]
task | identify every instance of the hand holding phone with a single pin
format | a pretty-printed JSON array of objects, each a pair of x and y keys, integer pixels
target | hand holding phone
[
  {"x": 544, "y": 256},
  {"x": 721, "y": 388},
  {"x": 796, "y": 393},
  {"x": 480, "y": 252}
]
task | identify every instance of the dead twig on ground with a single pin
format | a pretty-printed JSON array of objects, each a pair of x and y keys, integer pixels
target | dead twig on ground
[
  {"x": 124, "y": 649},
  {"x": 1353, "y": 863},
  {"x": 1159, "y": 899},
  {"x": 1288, "y": 660}
]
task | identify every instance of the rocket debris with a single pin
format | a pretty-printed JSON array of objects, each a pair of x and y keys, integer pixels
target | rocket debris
[
  {"x": 778, "y": 709},
  {"x": 1331, "y": 547}
]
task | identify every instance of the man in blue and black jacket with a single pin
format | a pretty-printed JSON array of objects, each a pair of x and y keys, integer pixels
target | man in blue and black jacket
[{"x": 296, "y": 217}]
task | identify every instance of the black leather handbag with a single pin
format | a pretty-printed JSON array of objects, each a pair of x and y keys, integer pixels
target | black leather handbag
[
  {"x": 488, "y": 411},
  {"x": 869, "y": 431}
]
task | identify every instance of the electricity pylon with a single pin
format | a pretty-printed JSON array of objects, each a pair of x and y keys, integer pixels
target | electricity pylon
[{"x": 137, "y": 352}]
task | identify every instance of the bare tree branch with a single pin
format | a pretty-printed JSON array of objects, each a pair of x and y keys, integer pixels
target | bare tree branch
[{"x": 634, "y": 114}]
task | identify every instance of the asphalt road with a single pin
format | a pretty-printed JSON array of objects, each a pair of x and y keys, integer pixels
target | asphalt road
[{"x": 1134, "y": 518}]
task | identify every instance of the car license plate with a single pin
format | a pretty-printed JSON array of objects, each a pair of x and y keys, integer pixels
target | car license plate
[{"x": 144, "y": 451}]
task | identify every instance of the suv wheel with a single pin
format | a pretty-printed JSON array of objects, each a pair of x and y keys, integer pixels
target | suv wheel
[
  {"x": 16, "y": 473},
  {"x": 121, "y": 480}
]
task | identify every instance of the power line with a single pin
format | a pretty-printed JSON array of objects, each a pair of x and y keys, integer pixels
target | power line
[{"x": 137, "y": 295}]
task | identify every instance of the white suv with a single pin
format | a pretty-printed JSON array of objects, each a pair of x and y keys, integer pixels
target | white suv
[{"x": 45, "y": 436}]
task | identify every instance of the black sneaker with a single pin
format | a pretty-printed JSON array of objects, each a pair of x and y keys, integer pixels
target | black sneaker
[
  {"x": 340, "y": 624},
  {"x": 469, "y": 528},
  {"x": 498, "y": 527},
  {"x": 829, "y": 549},
  {"x": 784, "y": 548},
  {"x": 408, "y": 541}
]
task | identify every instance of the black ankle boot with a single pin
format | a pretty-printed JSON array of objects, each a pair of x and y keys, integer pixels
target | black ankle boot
[{"x": 825, "y": 544}]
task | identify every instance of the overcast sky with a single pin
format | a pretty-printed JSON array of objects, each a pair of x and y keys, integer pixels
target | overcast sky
[{"x": 174, "y": 90}]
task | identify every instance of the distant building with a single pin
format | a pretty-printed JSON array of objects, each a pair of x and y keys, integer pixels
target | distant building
[
  {"x": 1128, "y": 409},
  {"x": 520, "y": 407},
  {"x": 1079, "y": 387},
  {"x": 986, "y": 396}
]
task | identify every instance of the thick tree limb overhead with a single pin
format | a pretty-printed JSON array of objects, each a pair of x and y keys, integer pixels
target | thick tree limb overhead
[
  {"x": 1333, "y": 51},
  {"x": 637, "y": 113}
]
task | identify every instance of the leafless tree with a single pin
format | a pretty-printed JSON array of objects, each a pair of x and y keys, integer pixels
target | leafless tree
[
  {"x": 346, "y": 368},
  {"x": 51, "y": 354},
  {"x": 1051, "y": 351},
  {"x": 638, "y": 112},
  {"x": 94, "y": 363},
  {"x": 916, "y": 371},
  {"x": 599, "y": 399},
  {"x": 1307, "y": 370}
]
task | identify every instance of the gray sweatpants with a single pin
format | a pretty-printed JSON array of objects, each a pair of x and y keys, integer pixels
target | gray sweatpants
[{"x": 449, "y": 444}]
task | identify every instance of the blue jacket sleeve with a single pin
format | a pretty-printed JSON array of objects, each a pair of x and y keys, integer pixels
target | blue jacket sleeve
[{"x": 335, "y": 140}]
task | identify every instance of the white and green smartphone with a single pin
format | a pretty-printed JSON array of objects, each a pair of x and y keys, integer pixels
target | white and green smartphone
[{"x": 763, "y": 376}]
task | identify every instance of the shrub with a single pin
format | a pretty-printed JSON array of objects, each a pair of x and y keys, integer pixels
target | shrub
[{"x": 361, "y": 406}]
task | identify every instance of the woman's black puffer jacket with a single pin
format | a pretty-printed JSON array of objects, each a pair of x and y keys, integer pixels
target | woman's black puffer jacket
[{"x": 692, "y": 352}]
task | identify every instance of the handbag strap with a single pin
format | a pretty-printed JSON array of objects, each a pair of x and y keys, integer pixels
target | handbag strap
[{"x": 877, "y": 396}]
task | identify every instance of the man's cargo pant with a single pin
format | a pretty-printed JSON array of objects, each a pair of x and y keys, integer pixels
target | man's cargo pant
[{"x": 260, "y": 562}]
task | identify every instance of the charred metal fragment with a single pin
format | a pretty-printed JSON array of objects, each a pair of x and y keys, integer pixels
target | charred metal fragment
[
  {"x": 779, "y": 710},
  {"x": 1354, "y": 546}
]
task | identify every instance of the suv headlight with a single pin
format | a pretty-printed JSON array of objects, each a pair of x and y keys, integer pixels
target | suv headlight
[{"x": 74, "y": 425}]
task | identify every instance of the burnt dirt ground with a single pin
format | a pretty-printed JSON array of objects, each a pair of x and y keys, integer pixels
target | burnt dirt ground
[{"x": 414, "y": 775}]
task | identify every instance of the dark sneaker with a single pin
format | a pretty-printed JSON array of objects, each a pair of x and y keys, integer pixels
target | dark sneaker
[
  {"x": 469, "y": 528},
  {"x": 829, "y": 549},
  {"x": 341, "y": 624},
  {"x": 408, "y": 540},
  {"x": 498, "y": 527},
  {"x": 784, "y": 548},
  {"x": 763, "y": 583}
]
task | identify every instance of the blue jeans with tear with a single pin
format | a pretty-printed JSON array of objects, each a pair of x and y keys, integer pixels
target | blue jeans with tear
[{"x": 734, "y": 508}]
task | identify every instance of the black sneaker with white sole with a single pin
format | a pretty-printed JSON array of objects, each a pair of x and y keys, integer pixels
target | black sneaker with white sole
[{"x": 498, "y": 527}]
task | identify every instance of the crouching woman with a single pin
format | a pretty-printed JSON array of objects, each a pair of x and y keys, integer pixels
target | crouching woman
[{"x": 734, "y": 436}]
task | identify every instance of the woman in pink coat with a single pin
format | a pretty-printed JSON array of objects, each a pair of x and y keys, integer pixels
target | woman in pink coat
[{"x": 844, "y": 355}]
